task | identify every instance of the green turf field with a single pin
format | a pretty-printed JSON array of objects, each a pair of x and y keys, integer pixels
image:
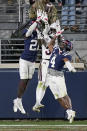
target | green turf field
[{"x": 42, "y": 125}]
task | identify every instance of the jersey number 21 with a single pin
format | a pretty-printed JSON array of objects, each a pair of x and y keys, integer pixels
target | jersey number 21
[{"x": 33, "y": 45}]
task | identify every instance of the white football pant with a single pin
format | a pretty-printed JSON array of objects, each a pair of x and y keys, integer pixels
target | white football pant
[
  {"x": 57, "y": 85},
  {"x": 26, "y": 69}
]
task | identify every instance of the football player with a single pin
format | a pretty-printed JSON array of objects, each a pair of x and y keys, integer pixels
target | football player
[
  {"x": 55, "y": 76},
  {"x": 50, "y": 34},
  {"x": 27, "y": 61}
]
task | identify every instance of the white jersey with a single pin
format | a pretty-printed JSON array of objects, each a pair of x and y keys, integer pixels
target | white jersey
[
  {"x": 45, "y": 51},
  {"x": 46, "y": 54}
]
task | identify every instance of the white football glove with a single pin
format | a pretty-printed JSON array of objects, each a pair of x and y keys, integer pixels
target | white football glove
[
  {"x": 44, "y": 17},
  {"x": 70, "y": 67},
  {"x": 39, "y": 14},
  {"x": 59, "y": 33},
  {"x": 73, "y": 70},
  {"x": 58, "y": 28}
]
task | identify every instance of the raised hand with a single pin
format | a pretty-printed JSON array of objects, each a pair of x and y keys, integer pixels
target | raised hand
[
  {"x": 59, "y": 32},
  {"x": 44, "y": 17},
  {"x": 58, "y": 28},
  {"x": 39, "y": 15}
]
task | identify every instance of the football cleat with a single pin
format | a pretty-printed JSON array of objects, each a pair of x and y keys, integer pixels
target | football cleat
[
  {"x": 18, "y": 106},
  {"x": 70, "y": 115},
  {"x": 37, "y": 108}
]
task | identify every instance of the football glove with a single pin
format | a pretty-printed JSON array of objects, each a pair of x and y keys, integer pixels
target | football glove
[
  {"x": 59, "y": 33},
  {"x": 58, "y": 28},
  {"x": 73, "y": 70},
  {"x": 70, "y": 67},
  {"x": 44, "y": 17},
  {"x": 39, "y": 14}
]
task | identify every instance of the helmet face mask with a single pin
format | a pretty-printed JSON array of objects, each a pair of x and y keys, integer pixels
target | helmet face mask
[{"x": 52, "y": 31}]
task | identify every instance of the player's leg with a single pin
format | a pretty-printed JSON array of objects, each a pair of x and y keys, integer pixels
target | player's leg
[
  {"x": 58, "y": 88},
  {"x": 23, "y": 71},
  {"x": 65, "y": 102},
  {"x": 22, "y": 87},
  {"x": 41, "y": 88},
  {"x": 25, "y": 75},
  {"x": 18, "y": 101},
  {"x": 40, "y": 91}
]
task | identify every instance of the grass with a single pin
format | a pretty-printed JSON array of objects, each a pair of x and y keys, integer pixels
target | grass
[
  {"x": 41, "y": 122},
  {"x": 42, "y": 125}
]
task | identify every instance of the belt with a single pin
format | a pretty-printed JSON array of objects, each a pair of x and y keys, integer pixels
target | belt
[
  {"x": 55, "y": 72},
  {"x": 46, "y": 59}
]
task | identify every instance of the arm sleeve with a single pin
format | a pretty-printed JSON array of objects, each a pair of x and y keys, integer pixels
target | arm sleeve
[
  {"x": 45, "y": 33},
  {"x": 46, "y": 30},
  {"x": 31, "y": 29},
  {"x": 69, "y": 66},
  {"x": 47, "y": 39}
]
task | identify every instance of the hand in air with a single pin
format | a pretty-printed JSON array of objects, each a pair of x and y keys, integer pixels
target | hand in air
[
  {"x": 59, "y": 32},
  {"x": 44, "y": 17},
  {"x": 39, "y": 15}
]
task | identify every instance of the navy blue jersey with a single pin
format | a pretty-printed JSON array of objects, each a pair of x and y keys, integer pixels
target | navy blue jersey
[
  {"x": 30, "y": 47},
  {"x": 57, "y": 59}
]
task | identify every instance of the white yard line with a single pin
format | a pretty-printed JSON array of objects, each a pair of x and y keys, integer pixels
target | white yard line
[{"x": 43, "y": 125}]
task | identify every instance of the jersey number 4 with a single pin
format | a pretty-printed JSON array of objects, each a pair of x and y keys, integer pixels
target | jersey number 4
[{"x": 53, "y": 61}]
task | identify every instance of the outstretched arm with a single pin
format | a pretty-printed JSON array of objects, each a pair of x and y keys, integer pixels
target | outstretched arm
[
  {"x": 34, "y": 25},
  {"x": 69, "y": 66},
  {"x": 52, "y": 41},
  {"x": 31, "y": 29}
]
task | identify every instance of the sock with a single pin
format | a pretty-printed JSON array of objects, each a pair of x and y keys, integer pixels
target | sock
[
  {"x": 68, "y": 115},
  {"x": 40, "y": 92}
]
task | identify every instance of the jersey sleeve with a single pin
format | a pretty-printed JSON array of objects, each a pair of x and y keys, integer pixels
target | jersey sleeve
[
  {"x": 69, "y": 57},
  {"x": 24, "y": 31}
]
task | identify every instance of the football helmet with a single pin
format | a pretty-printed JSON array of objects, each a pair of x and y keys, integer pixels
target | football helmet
[
  {"x": 66, "y": 45},
  {"x": 54, "y": 28}
]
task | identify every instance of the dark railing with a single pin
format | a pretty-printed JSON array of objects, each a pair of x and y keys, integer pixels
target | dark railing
[
  {"x": 11, "y": 13},
  {"x": 11, "y": 50}
]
